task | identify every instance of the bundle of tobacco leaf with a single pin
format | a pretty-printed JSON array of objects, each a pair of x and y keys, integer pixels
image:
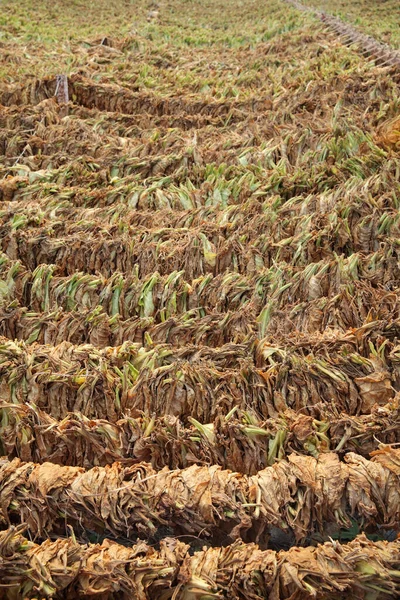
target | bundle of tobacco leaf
[
  {"x": 267, "y": 291},
  {"x": 360, "y": 569},
  {"x": 201, "y": 382},
  {"x": 239, "y": 441},
  {"x": 246, "y": 245},
  {"x": 99, "y": 329},
  {"x": 300, "y": 495}
]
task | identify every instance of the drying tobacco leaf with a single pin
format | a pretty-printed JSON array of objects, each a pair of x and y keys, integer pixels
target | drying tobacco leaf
[
  {"x": 239, "y": 441},
  {"x": 300, "y": 495},
  {"x": 199, "y": 306},
  {"x": 361, "y": 568}
]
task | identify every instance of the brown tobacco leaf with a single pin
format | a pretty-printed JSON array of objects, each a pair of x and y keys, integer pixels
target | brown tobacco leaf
[
  {"x": 366, "y": 480},
  {"x": 327, "y": 480},
  {"x": 388, "y": 133},
  {"x": 374, "y": 485},
  {"x": 9, "y": 186},
  {"x": 12, "y": 475},
  {"x": 58, "y": 563},
  {"x": 47, "y": 478},
  {"x": 302, "y": 427},
  {"x": 375, "y": 388},
  {"x": 389, "y": 459},
  {"x": 106, "y": 568}
]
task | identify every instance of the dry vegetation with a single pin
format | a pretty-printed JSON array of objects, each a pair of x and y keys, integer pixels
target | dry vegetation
[
  {"x": 199, "y": 303},
  {"x": 379, "y": 18}
]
